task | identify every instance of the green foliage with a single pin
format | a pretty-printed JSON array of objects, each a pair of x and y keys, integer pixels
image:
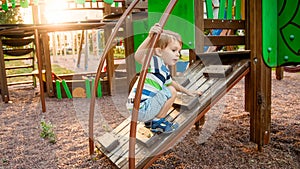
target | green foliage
[
  {"x": 11, "y": 16},
  {"x": 47, "y": 131}
]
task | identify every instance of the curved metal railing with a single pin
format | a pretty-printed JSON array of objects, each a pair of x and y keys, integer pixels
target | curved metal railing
[{"x": 133, "y": 124}]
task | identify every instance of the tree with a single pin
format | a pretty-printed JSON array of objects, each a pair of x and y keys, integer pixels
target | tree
[{"x": 11, "y": 16}]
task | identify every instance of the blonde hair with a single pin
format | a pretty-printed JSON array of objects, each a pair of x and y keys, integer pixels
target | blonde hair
[{"x": 167, "y": 37}]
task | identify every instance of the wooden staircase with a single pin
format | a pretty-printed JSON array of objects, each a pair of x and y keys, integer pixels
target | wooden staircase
[
  {"x": 16, "y": 47},
  {"x": 212, "y": 80}
]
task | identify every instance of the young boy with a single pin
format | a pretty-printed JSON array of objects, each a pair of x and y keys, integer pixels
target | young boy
[{"x": 159, "y": 92}]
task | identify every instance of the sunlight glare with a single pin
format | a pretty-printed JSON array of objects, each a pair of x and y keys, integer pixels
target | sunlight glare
[{"x": 55, "y": 11}]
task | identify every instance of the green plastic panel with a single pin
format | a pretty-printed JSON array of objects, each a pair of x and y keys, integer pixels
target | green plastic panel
[
  {"x": 238, "y": 10},
  {"x": 281, "y": 46},
  {"x": 181, "y": 20},
  {"x": 288, "y": 32},
  {"x": 140, "y": 30},
  {"x": 269, "y": 33},
  {"x": 209, "y": 9},
  {"x": 221, "y": 14}
]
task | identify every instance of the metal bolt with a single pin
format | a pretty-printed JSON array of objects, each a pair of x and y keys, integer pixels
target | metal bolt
[
  {"x": 190, "y": 43},
  {"x": 255, "y": 60},
  {"x": 269, "y": 49},
  {"x": 286, "y": 58},
  {"x": 292, "y": 37}
]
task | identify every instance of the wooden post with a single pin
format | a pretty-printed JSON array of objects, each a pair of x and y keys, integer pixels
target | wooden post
[
  {"x": 199, "y": 30},
  {"x": 109, "y": 60},
  {"x": 259, "y": 80},
  {"x": 279, "y": 73},
  {"x": 129, "y": 49},
  {"x": 3, "y": 83},
  {"x": 35, "y": 13},
  {"x": 47, "y": 62}
]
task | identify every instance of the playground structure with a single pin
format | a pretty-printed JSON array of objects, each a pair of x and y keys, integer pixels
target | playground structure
[
  {"x": 248, "y": 64},
  {"x": 45, "y": 47}
]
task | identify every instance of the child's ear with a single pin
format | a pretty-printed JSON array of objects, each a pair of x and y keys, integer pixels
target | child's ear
[{"x": 157, "y": 51}]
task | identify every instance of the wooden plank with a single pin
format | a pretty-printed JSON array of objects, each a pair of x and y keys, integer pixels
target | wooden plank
[
  {"x": 19, "y": 67},
  {"x": 184, "y": 79},
  {"x": 19, "y": 83},
  {"x": 17, "y": 42},
  {"x": 195, "y": 76},
  {"x": 18, "y": 52},
  {"x": 198, "y": 83},
  {"x": 121, "y": 157},
  {"x": 188, "y": 102},
  {"x": 224, "y": 24},
  {"x": 224, "y": 40},
  {"x": 18, "y": 58},
  {"x": 19, "y": 75},
  {"x": 217, "y": 71},
  {"x": 108, "y": 142}
]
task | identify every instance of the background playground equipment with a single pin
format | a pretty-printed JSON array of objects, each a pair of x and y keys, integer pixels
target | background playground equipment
[
  {"x": 44, "y": 30},
  {"x": 77, "y": 85}
]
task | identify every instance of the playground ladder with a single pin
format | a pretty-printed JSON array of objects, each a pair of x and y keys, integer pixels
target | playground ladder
[{"x": 14, "y": 47}]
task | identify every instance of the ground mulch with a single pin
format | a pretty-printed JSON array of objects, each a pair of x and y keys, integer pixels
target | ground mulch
[{"x": 222, "y": 142}]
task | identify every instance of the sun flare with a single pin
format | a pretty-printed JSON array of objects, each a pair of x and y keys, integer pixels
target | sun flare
[{"x": 55, "y": 11}]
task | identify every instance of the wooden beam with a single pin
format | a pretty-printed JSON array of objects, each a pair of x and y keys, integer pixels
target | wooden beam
[
  {"x": 224, "y": 24},
  {"x": 260, "y": 83},
  {"x": 3, "y": 83},
  {"x": 279, "y": 73},
  {"x": 109, "y": 60},
  {"x": 47, "y": 64},
  {"x": 129, "y": 49},
  {"x": 224, "y": 40}
]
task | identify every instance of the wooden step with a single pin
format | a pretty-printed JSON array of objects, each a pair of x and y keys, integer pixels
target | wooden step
[
  {"x": 17, "y": 42},
  {"x": 19, "y": 67},
  {"x": 217, "y": 71},
  {"x": 18, "y": 35},
  {"x": 20, "y": 83},
  {"x": 18, "y": 52},
  {"x": 18, "y": 58},
  {"x": 19, "y": 75}
]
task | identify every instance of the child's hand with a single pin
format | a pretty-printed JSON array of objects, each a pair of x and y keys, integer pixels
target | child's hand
[
  {"x": 155, "y": 29},
  {"x": 194, "y": 93}
]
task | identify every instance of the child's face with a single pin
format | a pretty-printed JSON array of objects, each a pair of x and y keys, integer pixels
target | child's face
[{"x": 171, "y": 53}]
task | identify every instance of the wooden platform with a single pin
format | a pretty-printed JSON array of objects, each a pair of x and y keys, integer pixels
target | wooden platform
[{"x": 186, "y": 111}]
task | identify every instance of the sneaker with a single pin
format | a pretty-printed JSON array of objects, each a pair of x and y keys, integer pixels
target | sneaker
[
  {"x": 161, "y": 126},
  {"x": 148, "y": 124}
]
